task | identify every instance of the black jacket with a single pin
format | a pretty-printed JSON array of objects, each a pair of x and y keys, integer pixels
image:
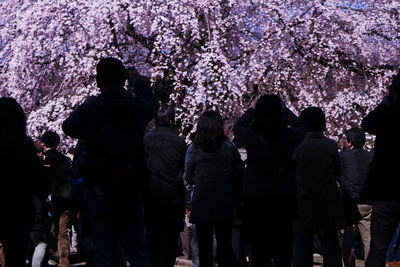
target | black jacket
[
  {"x": 212, "y": 174},
  {"x": 317, "y": 171},
  {"x": 58, "y": 173},
  {"x": 383, "y": 121},
  {"x": 261, "y": 179},
  {"x": 57, "y": 169},
  {"x": 87, "y": 122},
  {"x": 165, "y": 160},
  {"x": 21, "y": 178},
  {"x": 354, "y": 165}
]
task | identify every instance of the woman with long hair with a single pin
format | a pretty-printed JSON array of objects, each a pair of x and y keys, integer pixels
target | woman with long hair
[
  {"x": 20, "y": 180},
  {"x": 211, "y": 167}
]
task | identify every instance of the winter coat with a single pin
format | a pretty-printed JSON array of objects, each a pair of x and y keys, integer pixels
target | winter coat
[
  {"x": 354, "y": 165},
  {"x": 94, "y": 121},
  {"x": 262, "y": 179},
  {"x": 165, "y": 160},
  {"x": 383, "y": 121},
  {"x": 21, "y": 179},
  {"x": 212, "y": 174},
  {"x": 317, "y": 172}
]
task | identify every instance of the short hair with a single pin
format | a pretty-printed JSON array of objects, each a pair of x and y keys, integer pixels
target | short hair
[
  {"x": 313, "y": 119},
  {"x": 210, "y": 133},
  {"x": 110, "y": 72},
  {"x": 50, "y": 139},
  {"x": 12, "y": 121},
  {"x": 356, "y": 136},
  {"x": 165, "y": 115}
]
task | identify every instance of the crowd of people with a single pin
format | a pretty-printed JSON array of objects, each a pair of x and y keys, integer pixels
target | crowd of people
[{"x": 139, "y": 196}]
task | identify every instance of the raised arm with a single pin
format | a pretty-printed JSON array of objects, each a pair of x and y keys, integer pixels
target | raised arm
[
  {"x": 79, "y": 123},
  {"x": 148, "y": 102},
  {"x": 373, "y": 121},
  {"x": 242, "y": 127}
]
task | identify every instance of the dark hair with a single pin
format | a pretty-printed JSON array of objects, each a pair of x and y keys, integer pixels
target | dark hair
[
  {"x": 110, "y": 72},
  {"x": 50, "y": 139},
  {"x": 12, "y": 122},
  {"x": 356, "y": 136},
  {"x": 165, "y": 116},
  {"x": 313, "y": 119},
  {"x": 268, "y": 117},
  {"x": 210, "y": 133}
]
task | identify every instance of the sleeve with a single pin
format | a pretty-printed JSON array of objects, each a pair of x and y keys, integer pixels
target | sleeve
[
  {"x": 148, "y": 102},
  {"x": 79, "y": 123},
  {"x": 189, "y": 165},
  {"x": 242, "y": 127},
  {"x": 373, "y": 121}
]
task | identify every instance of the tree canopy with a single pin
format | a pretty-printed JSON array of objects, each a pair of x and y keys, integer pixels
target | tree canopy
[{"x": 336, "y": 54}]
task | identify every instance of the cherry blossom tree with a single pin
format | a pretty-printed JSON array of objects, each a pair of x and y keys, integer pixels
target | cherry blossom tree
[{"x": 336, "y": 54}]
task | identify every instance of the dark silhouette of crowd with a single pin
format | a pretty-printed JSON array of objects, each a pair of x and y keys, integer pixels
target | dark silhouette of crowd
[{"x": 275, "y": 195}]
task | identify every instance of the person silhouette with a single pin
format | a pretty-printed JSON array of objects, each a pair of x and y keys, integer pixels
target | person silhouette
[
  {"x": 383, "y": 183},
  {"x": 269, "y": 184},
  {"x": 21, "y": 180},
  {"x": 112, "y": 125},
  {"x": 319, "y": 206}
]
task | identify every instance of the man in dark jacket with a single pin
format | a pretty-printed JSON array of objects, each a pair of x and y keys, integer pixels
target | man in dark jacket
[
  {"x": 354, "y": 166},
  {"x": 57, "y": 169},
  {"x": 383, "y": 179},
  {"x": 318, "y": 202},
  {"x": 112, "y": 125},
  {"x": 165, "y": 203}
]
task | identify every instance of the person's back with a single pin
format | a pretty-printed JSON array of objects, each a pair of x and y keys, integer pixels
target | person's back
[
  {"x": 165, "y": 199},
  {"x": 112, "y": 125},
  {"x": 319, "y": 209},
  {"x": 58, "y": 174},
  {"x": 269, "y": 181},
  {"x": 383, "y": 122},
  {"x": 354, "y": 166},
  {"x": 21, "y": 179},
  {"x": 317, "y": 168},
  {"x": 210, "y": 167},
  {"x": 383, "y": 182}
]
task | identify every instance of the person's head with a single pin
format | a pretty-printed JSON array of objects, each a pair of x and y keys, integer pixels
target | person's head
[
  {"x": 110, "y": 73},
  {"x": 355, "y": 137},
  {"x": 268, "y": 116},
  {"x": 210, "y": 133},
  {"x": 165, "y": 116},
  {"x": 50, "y": 139},
  {"x": 313, "y": 119},
  {"x": 12, "y": 121}
]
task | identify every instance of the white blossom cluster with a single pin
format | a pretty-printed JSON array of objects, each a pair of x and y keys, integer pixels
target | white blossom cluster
[{"x": 336, "y": 54}]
